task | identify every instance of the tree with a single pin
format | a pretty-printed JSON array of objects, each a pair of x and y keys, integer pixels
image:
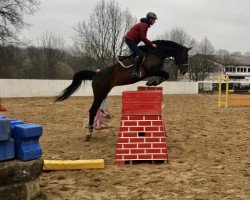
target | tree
[
  {"x": 224, "y": 58},
  {"x": 222, "y": 52},
  {"x": 205, "y": 47},
  {"x": 30, "y": 62},
  {"x": 178, "y": 35},
  {"x": 78, "y": 59},
  {"x": 7, "y": 68},
  {"x": 33, "y": 62},
  {"x": 102, "y": 37},
  {"x": 201, "y": 65},
  {"x": 247, "y": 54},
  {"x": 12, "y": 18},
  {"x": 237, "y": 53},
  {"x": 52, "y": 53},
  {"x": 181, "y": 37}
]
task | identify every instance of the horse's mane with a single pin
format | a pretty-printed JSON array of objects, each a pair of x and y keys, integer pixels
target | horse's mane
[
  {"x": 168, "y": 43},
  {"x": 162, "y": 43}
]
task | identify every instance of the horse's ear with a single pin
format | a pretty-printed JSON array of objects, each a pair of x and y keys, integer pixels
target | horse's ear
[{"x": 189, "y": 48}]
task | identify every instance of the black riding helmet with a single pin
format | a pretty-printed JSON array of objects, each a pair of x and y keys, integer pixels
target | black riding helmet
[{"x": 151, "y": 15}]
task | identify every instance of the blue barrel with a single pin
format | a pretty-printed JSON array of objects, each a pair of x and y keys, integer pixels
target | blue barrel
[
  {"x": 14, "y": 122},
  {"x": 7, "y": 149},
  {"x": 26, "y": 137},
  {"x": 4, "y": 129},
  {"x": 6, "y": 143}
]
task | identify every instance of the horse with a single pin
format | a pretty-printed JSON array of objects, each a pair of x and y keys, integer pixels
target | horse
[{"x": 118, "y": 74}]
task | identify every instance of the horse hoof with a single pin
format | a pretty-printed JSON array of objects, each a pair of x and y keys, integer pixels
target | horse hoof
[
  {"x": 151, "y": 83},
  {"x": 88, "y": 138}
]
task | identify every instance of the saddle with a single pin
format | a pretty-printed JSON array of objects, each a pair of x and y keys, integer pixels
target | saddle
[{"x": 126, "y": 61}]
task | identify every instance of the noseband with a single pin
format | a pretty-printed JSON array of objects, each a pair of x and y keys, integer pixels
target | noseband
[{"x": 182, "y": 65}]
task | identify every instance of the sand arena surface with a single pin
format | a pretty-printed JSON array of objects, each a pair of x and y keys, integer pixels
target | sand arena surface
[{"x": 209, "y": 150}]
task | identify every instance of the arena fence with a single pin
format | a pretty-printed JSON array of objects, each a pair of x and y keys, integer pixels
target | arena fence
[
  {"x": 238, "y": 96},
  {"x": 48, "y": 88}
]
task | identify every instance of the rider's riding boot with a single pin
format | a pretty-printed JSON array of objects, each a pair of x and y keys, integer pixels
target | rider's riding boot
[{"x": 135, "y": 73}]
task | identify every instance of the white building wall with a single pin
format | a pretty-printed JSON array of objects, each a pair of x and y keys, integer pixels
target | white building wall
[{"x": 38, "y": 88}]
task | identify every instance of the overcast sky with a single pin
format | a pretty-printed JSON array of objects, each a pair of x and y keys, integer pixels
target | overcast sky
[{"x": 226, "y": 23}]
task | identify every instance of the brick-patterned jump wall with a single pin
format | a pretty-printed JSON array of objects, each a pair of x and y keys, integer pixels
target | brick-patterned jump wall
[{"x": 142, "y": 133}]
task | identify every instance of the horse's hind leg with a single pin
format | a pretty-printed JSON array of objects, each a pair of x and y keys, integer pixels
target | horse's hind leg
[
  {"x": 92, "y": 113},
  {"x": 98, "y": 99}
]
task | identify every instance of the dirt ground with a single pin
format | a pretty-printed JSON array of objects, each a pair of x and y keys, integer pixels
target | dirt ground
[{"x": 208, "y": 147}]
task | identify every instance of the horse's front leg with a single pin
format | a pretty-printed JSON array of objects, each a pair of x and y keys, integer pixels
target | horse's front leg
[
  {"x": 155, "y": 80},
  {"x": 161, "y": 76}
]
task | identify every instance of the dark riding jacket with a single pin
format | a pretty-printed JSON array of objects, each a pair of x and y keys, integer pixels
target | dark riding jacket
[{"x": 138, "y": 32}]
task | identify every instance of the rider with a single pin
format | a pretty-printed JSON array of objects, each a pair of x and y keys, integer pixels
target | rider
[{"x": 134, "y": 36}]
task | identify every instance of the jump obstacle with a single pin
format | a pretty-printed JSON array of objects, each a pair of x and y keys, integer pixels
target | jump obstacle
[
  {"x": 73, "y": 164},
  {"x": 142, "y": 135},
  {"x": 232, "y": 97},
  {"x": 1, "y": 107},
  {"x": 20, "y": 140}
]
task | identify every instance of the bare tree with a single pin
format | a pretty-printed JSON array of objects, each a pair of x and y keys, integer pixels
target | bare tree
[
  {"x": 205, "y": 47},
  {"x": 201, "y": 65},
  {"x": 79, "y": 59},
  {"x": 247, "y": 54},
  {"x": 181, "y": 37},
  {"x": 221, "y": 52},
  {"x": 224, "y": 58},
  {"x": 12, "y": 18},
  {"x": 102, "y": 37},
  {"x": 52, "y": 53},
  {"x": 236, "y": 53},
  {"x": 7, "y": 68}
]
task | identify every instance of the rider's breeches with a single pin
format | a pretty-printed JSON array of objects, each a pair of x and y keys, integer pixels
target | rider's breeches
[{"x": 137, "y": 53}]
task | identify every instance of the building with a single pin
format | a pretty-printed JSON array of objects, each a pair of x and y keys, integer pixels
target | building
[
  {"x": 235, "y": 67},
  {"x": 239, "y": 69}
]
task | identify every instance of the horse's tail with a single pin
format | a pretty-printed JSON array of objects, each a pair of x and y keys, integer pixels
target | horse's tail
[{"x": 77, "y": 81}]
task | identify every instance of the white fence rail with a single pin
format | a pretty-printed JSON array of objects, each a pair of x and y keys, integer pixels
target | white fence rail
[{"x": 47, "y": 88}]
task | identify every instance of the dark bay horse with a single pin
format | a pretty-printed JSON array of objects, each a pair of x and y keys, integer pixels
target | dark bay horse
[{"x": 117, "y": 75}]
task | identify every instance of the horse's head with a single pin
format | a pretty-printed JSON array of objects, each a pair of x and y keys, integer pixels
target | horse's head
[
  {"x": 172, "y": 49},
  {"x": 181, "y": 60}
]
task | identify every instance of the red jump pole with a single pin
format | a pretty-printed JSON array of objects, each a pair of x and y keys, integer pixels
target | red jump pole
[{"x": 1, "y": 107}]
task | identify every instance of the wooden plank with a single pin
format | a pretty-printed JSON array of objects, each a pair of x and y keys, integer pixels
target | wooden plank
[
  {"x": 240, "y": 96},
  {"x": 73, "y": 164},
  {"x": 237, "y": 102},
  {"x": 239, "y": 91}
]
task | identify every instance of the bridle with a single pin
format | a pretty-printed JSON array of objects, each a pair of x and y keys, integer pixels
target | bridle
[{"x": 181, "y": 65}]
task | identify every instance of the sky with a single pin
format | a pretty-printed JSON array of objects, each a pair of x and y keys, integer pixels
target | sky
[{"x": 224, "y": 22}]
